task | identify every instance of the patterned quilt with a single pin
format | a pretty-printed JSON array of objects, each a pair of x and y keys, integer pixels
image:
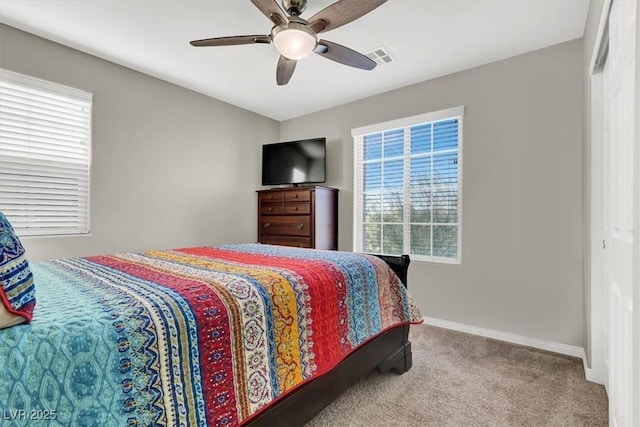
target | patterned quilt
[{"x": 191, "y": 337}]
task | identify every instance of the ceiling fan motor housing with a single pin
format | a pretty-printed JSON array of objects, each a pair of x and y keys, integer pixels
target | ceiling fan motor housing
[{"x": 294, "y": 7}]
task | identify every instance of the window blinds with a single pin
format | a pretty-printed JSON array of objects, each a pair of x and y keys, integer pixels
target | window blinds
[{"x": 45, "y": 153}]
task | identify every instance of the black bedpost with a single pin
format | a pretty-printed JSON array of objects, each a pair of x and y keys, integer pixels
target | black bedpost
[{"x": 399, "y": 265}]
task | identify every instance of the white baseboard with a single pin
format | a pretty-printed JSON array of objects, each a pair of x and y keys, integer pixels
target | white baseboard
[
  {"x": 587, "y": 370},
  {"x": 569, "y": 350}
]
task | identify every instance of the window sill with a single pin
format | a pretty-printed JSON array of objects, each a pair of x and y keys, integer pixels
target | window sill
[{"x": 54, "y": 236}]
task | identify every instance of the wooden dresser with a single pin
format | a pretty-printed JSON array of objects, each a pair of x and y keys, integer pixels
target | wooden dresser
[{"x": 305, "y": 217}]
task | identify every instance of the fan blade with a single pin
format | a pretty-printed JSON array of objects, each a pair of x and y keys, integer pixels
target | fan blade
[
  {"x": 272, "y": 11},
  {"x": 230, "y": 41},
  {"x": 285, "y": 70},
  {"x": 344, "y": 55},
  {"x": 340, "y": 13}
]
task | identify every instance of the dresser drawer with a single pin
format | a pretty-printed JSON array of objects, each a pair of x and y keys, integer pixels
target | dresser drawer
[
  {"x": 285, "y": 226},
  {"x": 271, "y": 196},
  {"x": 271, "y": 209},
  {"x": 297, "y": 208},
  {"x": 300, "y": 242},
  {"x": 297, "y": 195}
]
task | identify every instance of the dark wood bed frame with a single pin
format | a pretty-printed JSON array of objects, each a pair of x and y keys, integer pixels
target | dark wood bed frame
[{"x": 390, "y": 351}]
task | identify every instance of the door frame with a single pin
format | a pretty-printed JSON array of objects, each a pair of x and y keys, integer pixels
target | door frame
[
  {"x": 597, "y": 298},
  {"x": 636, "y": 236}
]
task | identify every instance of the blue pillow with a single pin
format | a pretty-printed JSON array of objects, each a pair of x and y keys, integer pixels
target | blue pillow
[{"x": 17, "y": 290}]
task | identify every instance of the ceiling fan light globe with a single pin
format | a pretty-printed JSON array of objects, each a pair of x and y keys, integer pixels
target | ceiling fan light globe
[{"x": 294, "y": 41}]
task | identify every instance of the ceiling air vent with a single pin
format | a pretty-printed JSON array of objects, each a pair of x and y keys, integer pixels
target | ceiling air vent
[{"x": 380, "y": 56}]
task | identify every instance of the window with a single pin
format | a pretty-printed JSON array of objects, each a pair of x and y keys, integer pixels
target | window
[
  {"x": 407, "y": 186},
  {"x": 45, "y": 152}
]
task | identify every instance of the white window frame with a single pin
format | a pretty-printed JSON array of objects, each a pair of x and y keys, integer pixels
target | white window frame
[
  {"x": 53, "y": 160},
  {"x": 406, "y": 123}
]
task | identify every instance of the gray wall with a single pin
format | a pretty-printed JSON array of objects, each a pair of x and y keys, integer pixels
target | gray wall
[
  {"x": 170, "y": 166},
  {"x": 521, "y": 268}
]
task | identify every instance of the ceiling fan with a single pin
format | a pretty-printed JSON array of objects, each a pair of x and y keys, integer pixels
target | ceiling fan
[{"x": 295, "y": 38}]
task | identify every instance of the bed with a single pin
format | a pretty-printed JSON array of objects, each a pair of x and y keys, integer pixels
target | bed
[{"x": 243, "y": 334}]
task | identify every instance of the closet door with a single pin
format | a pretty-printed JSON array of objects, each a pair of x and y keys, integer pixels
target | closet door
[{"x": 619, "y": 86}]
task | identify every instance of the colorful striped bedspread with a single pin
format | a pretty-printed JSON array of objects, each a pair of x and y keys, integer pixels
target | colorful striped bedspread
[{"x": 192, "y": 337}]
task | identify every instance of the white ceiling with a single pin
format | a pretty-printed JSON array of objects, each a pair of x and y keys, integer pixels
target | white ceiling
[{"x": 427, "y": 38}]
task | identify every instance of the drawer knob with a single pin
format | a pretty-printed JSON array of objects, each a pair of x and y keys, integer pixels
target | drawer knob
[
  {"x": 300, "y": 226},
  {"x": 295, "y": 208},
  {"x": 270, "y": 209},
  {"x": 270, "y": 197},
  {"x": 267, "y": 225},
  {"x": 295, "y": 196}
]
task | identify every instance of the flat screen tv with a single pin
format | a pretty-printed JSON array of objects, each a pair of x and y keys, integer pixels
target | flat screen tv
[{"x": 294, "y": 162}]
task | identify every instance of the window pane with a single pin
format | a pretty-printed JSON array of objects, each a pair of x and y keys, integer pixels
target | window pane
[
  {"x": 371, "y": 238},
  {"x": 420, "y": 206},
  {"x": 393, "y": 175},
  {"x": 445, "y": 204},
  {"x": 445, "y": 135},
  {"x": 445, "y": 240},
  {"x": 392, "y": 239},
  {"x": 372, "y": 176},
  {"x": 420, "y": 172},
  {"x": 421, "y": 139},
  {"x": 394, "y": 143},
  {"x": 393, "y": 207},
  {"x": 373, "y": 146},
  {"x": 445, "y": 169},
  {"x": 372, "y": 207},
  {"x": 420, "y": 239}
]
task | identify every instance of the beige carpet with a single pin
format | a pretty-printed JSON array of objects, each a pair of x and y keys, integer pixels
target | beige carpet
[{"x": 460, "y": 380}]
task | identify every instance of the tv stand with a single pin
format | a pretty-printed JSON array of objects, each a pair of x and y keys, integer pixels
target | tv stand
[{"x": 305, "y": 217}]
